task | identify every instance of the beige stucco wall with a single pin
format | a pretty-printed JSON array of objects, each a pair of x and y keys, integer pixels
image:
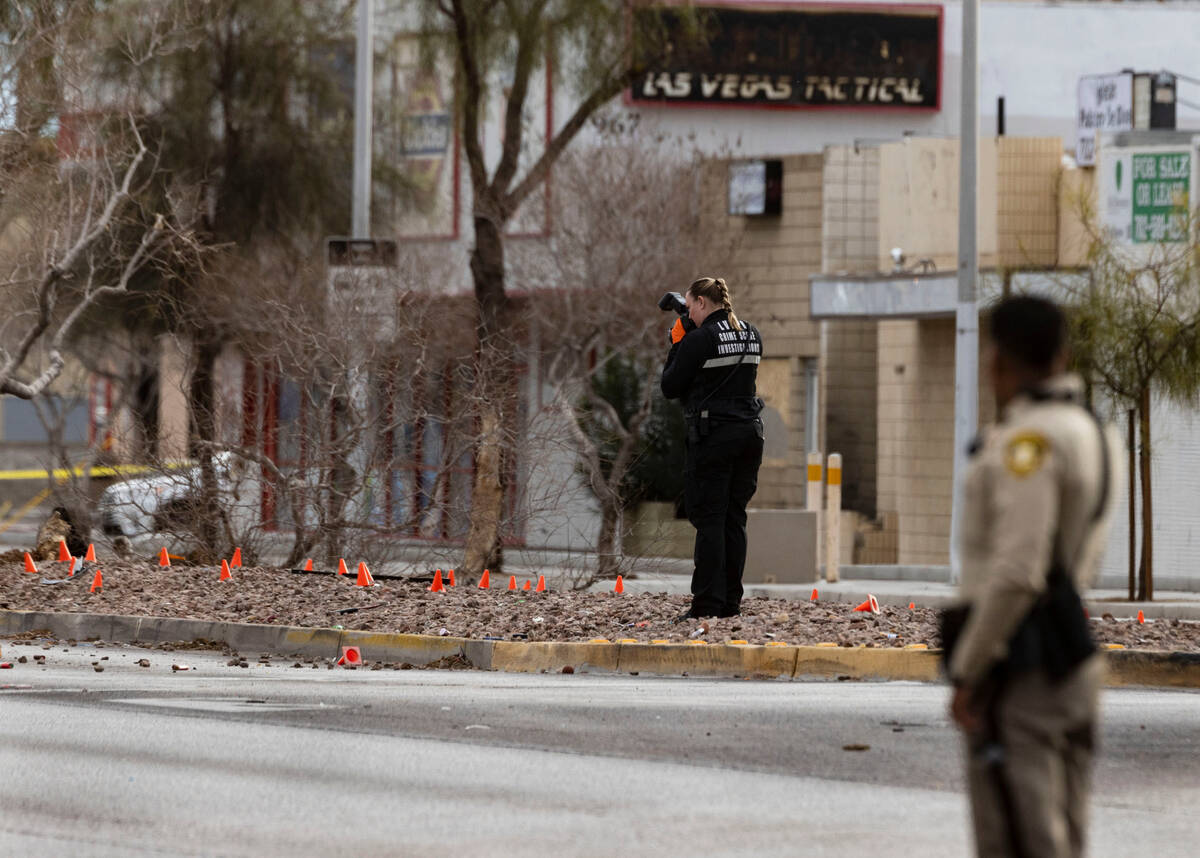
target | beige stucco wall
[
  {"x": 1076, "y": 197},
  {"x": 918, "y": 202},
  {"x": 916, "y": 434}
]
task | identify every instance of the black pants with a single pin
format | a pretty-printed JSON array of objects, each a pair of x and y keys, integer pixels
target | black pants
[{"x": 720, "y": 477}]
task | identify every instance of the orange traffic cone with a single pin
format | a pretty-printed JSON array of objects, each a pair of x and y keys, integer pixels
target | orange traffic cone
[
  {"x": 225, "y": 573},
  {"x": 541, "y": 584},
  {"x": 620, "y": 586},
  {"x": 869, "y": 605},
  {"x": 437, "y": 586},
  {"x": 308, "y": 567},
  {"x": 97, "y": 582},
  {"x": 63, "y": 554},
  {"x": 528, "y": 586},
  {"x": 163, "y": 559},
  {"x": 1141, "y": 617},
  {"x": 71, "y": 569},
  {"x": 450, "y": 578},
  {"x": 512, "y": 582},
  {"x": 813, "y": 597},
  {"x": 484, "y": 582},
  {"x": 342, "y": 570},
  {"x": 29, "y": 566},
  {"x": 350, "y": 655},
  {"x": 364, "y": 576},
  {"x": 237, "y": 558},
  {"x": 912, "y": 606},
  {"x": 90, "y": 557}
]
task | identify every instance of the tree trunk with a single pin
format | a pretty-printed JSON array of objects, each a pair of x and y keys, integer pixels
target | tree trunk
[
  {"x": 493, "y": 384},
  {"x": 1146, "y": 585},
  {"x": 608, "y": 544},
  {"x": 202, "y": 395}
]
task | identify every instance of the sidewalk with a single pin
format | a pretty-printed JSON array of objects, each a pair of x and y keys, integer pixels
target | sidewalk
[{"x": 1183, "y": 605}]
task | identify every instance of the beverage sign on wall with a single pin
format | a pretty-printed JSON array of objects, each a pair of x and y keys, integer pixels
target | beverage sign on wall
[{"x": 816, "y": 56}]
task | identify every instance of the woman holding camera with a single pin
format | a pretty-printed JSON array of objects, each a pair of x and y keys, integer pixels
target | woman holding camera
[{"x": 712, "y": 368}]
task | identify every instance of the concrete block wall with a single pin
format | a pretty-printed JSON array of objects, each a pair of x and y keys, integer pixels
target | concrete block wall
[
  {"x": 1027, "y": 170},
  {"x": 916, "y": 435},
  {"x": 850, "y": 244},
  {"x": 773, "y": 259},
  {"x": 850, "y": 209}
]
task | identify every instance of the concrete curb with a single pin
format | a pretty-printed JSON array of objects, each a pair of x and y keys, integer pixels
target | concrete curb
[{"x": 1125, "y": 667}]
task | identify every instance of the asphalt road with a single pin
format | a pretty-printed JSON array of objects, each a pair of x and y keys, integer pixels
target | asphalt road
[{"x": 275, "y": 760}]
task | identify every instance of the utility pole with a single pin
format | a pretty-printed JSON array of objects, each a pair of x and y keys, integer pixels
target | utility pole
[
  {"x": 364, "y": 79},
  {"x": 966, "y": 341}
]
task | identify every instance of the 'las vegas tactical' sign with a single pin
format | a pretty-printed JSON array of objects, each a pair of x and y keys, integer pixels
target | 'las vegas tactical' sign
[{"x": 873, "y": 57}]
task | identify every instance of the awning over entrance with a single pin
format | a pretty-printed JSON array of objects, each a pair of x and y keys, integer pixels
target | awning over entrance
[{"x": 883, "y": 296}]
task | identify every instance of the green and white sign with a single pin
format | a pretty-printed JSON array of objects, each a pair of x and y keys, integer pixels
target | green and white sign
[
  {"x": 1160, "y": 196},
  {"x": 1145, "y": 192}
]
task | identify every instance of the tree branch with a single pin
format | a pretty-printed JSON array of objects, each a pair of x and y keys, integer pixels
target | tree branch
[
  {"x": 47, "y": 287},
  {"x": 526, "y": 30}
]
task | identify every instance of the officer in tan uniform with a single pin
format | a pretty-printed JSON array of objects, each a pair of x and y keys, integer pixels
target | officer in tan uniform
[{"x": 1037, "y": 493}]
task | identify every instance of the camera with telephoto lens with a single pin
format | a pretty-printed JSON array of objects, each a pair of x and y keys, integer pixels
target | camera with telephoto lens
[{"x": 673, "y": 301}]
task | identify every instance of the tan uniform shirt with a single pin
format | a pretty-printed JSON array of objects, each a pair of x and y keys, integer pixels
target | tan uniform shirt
[{"x": 1030, "y": 494}]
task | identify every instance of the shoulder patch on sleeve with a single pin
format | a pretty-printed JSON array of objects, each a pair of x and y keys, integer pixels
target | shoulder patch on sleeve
[{"x": 1025, "y": 452}]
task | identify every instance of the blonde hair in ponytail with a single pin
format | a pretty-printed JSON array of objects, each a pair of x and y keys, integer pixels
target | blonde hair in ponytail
[{"x": 715, "y": 290}]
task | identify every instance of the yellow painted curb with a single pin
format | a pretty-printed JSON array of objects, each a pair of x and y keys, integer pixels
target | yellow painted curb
[
  {"x": 1124, "y": 666},
  {"x": 1148, "y": 667},
  {"x": 417, "y": 649},
  {"x": 532, "y": 657},
  {"x": 717, "y": 660},
  {"x": 868, "y": 663}
]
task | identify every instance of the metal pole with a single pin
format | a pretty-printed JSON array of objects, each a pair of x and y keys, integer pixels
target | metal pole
[
  {"x": 966, "y": 343},
  {"x": 833, "y": 517},
  {"x": 364, "y": 74}
]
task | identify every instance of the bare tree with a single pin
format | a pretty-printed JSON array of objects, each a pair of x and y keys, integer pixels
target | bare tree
[
  {"x": 1136, "y": 332},
  {"x": 610, "y": 48},
  {"x": 630, "y": 231}
]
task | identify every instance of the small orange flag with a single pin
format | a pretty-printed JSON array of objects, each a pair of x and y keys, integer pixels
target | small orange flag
[
  {"x": 163, "y": 559},
  {"x": 97, "y": 582}
]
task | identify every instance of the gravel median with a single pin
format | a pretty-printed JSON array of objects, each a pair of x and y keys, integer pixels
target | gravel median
[{"x": 282, "y": 597}]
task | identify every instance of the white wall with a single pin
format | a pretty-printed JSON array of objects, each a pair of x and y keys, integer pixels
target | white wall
[
  {"x": 1175, "y": 464},
  {"x": 1031, "y": 53}
]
